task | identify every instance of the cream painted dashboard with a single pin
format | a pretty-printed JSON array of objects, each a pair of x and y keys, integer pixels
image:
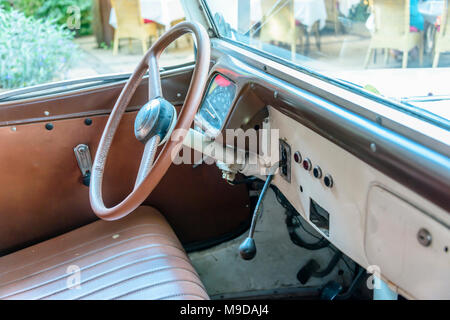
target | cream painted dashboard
[
  {"x": 391, "y": 170},
  {"x": 372, "y": 218}
]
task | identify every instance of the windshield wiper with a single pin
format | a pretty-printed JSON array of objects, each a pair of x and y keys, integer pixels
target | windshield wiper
[
  {"x": 429, "y": 98},
  {"x": 407, "y": 104}
]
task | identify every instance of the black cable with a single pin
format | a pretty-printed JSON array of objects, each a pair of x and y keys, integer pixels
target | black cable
[
  {"x": 344, "y": 260},
  {"x": 242, "y": 181},
  {"x": 297, "y": 240},
  {"x": 304, "y": 229},
  {"x": 291, "y": 215},
  {"x": 333, "y": 262},
  {"x": 356, "y": 281}
]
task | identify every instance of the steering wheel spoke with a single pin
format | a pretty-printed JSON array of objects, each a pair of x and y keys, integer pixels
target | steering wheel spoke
[
  {"x": 154, "y": 78},
  {"x": 148, "y": 158}
]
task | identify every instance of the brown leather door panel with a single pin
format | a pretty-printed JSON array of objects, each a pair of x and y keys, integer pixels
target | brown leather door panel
[
  {"x": 41, "y": 193},
  {"x": 89, "y": 101}
]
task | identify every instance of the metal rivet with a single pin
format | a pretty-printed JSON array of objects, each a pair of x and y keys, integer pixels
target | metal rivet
[
  {"x": 88, "y": 121},
  {"x": 373, "y": 147},
  {"x": 178, "y": 95},
  {"x": 49, "y": 126},
  {"x": 46, "y": 113},
  {"x": 13, "y": 129},
  {"x": 378, "y": 120},
  {"x": 424, "y": 237}
]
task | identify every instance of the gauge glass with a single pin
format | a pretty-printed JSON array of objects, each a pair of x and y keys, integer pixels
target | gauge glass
[{"x": 217, "y": 103}]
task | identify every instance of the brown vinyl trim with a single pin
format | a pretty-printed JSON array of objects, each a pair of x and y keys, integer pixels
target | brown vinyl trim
[{"x": 90, "y": 101}]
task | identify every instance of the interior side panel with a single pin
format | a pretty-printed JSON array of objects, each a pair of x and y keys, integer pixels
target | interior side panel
[
  {"x": 89, "y": 101},
  {"x": 43, "y": 196}
]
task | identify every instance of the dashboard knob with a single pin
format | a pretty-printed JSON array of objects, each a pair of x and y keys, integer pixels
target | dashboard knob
[
  {"x": 317, "y": 172},
  {"x": 307, "y": 164},
  {"x": 328, "y": 180},
  {"x": 297, "y": 157}
]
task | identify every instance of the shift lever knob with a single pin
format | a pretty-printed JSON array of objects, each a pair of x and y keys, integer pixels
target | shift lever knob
[{"x": 247, "y": 249}]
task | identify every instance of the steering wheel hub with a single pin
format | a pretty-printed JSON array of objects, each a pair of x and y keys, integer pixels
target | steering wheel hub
[{"x": 156, "y": 117}]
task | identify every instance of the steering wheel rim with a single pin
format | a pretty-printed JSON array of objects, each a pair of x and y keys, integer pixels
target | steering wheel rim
[{"x": 151, "y": 171}]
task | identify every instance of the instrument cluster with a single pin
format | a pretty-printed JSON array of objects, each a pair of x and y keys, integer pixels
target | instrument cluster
[{"x": 216, "y": 105}]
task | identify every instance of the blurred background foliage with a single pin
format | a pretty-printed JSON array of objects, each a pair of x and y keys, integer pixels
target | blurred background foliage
[
  {"x": 33, "y": 50},
  {"x": 360, "y": 12},
  {"x": 62, "y": 12}
]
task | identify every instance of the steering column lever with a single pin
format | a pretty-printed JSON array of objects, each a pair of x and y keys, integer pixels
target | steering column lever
[{"x": 247, "y": 249}]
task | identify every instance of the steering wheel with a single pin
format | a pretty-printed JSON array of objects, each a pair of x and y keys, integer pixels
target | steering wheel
[{"x": 156, "y": 122}]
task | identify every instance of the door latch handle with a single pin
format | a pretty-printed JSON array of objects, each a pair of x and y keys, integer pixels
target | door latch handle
[{"x": 83, "y": 156}]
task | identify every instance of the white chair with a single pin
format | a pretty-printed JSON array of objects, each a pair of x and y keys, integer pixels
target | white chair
[{"x": 392, "y": 30}]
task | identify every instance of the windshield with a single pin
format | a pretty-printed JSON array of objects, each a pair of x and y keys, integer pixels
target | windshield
[
  {"x": 396, "y": 49},
  {"x": 43, "y": 41}
]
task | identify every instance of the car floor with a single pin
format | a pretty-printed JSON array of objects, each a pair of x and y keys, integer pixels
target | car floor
[{"x": 274, "y": 269}]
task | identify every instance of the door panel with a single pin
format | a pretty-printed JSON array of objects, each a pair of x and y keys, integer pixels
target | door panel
[
  {"x": 42, "y": 194},
  {"x": 90, "y": 101}
]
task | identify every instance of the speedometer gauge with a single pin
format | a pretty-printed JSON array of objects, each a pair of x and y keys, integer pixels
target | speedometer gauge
[{"x": 216, "y": 104}]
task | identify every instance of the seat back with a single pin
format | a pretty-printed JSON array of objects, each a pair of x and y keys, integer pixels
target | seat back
[
  {"x": 129, "y": 18},
  {"x": 391, "y": 17}
]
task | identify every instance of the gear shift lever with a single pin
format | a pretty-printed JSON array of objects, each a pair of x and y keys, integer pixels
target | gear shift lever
[{"x": 247, "y": 249}]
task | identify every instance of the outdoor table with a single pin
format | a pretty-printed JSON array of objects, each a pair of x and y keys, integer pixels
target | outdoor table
[
  {"x": 160, "y": 11},
  {"x": 307, "y": 12},
  {"x": 345, "y": 6},
  {"x": 430, "y": 10}
]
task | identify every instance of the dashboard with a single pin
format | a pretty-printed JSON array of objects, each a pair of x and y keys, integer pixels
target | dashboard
[
  {"x": 345, "y": 173},
  {"x": 216, "y": 104}
]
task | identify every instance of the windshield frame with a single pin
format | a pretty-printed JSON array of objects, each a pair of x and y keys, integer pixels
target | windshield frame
[
  {"x": 63, "y": 86},
  {"x": 408, "y": 108}
]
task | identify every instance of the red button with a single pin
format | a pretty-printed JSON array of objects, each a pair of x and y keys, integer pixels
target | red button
[{"x": 307, "y": 164}]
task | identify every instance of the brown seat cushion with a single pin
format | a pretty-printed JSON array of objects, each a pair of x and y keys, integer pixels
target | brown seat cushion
[{"x": 137, "y": 257}]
